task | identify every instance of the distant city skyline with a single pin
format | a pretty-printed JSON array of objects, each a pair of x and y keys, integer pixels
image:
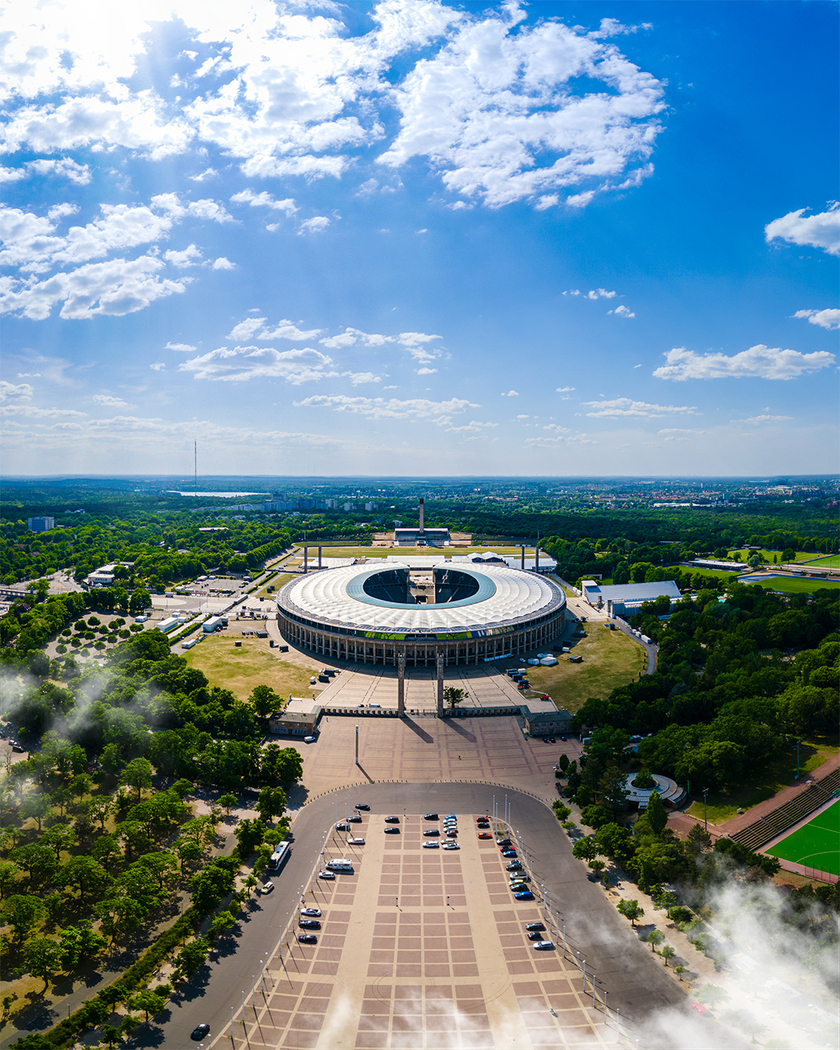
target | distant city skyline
[{"x": 420, "y": 239}]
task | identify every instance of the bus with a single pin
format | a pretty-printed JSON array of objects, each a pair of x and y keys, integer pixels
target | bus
[{"x": 280, "y": 856}]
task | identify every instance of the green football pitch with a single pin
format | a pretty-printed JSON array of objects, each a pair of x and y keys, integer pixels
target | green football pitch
[{"x": 816, "y": 845}]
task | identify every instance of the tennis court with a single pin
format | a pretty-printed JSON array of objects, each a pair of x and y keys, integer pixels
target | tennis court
[{"x": 816, "y": 844}]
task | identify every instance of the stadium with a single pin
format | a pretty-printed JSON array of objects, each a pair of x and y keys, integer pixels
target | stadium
[{"x": 469, "y": 615}]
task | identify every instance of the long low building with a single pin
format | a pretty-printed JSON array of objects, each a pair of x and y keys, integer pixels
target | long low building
[
  {"x": 374, "y": 614},
  {"x": 627, "y": 598}
]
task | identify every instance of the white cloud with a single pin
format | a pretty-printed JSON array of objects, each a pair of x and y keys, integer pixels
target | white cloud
[
  {"x": 759, "y": 361},
  {"x": 497, "y": 112},
  {"x": 351, "y": 336},
  {"x": 209, "y": 173},
  {"x": 30, "y": 412},
  {"x": 526, "y": 416},
  {"x": 158, "y": 366},
  {"x": 265, "y": 200},
  {"x": 438, "y": 412},
  {"x": 110, "y": 402},
  {"x": 829, "y": 319},
  {"x": 258, "y": 362},
  {"x": 184, "y": 259},
  {"x": 12, "y": 174},
  {"x": 816, "y": 231},
  {"x": 564, "y": 389},
  {"x": 757, "y": 421},
  {"x": 511, "y": 393},
  {"x": 181, "y": 348},
  {"x": 223, "y": 264},
  {"x": 15, "y": 391},
  {"x": 600, "y": 293},
  {"x": 561, "y": 436},
  {"x": 317, "y": 224},
  {"x": 357, "y": 378},
  {"x": 623, "y": 407},
  {"x": 63, "y": 167},
  {"x": 258, "y": 328},
  {"x": 504, "y": 111},
  {"x": 426, "y": 371},
  {"x": 621, "y": 311},
  {"x": 115, "y": 288},
  {"x": 472, "y": 429}
]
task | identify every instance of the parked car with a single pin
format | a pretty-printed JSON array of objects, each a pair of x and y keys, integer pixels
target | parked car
[
  {"x": 267, "y": 888},
  {"x": 392, "y": 820},
  {"x": 309, "y": 924},
  {"x": 544, "y": 945},
  {"x": 431, "y": 845},
  {"x": 314, "y": 913},
  {"x": 200, "y": 1032},
  {"x": 430, "y": 816},
  {"x": 307, "y": 938},
  {"x": 362, "y": 805},
  {"x": 329, "y": 875},
  {"x": 534, "y": 925},
  {"x": 391, "y": 830}
]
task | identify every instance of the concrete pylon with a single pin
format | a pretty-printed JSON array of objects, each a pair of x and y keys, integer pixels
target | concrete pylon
[
  {"x": 439, "y": 662},
  {"x": 401, "y": 685}
]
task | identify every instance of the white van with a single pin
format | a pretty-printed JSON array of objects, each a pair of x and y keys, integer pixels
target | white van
[{"x": 340, "y": 865}]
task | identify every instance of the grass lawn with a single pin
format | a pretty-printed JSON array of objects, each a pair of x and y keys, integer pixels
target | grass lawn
[
  {"x": 720, "y": 574},
  {"x": 816, "y": 845},
  {"x": 794, "y": 585},
  {"x": 276, "y": 582},
  {"x": 723, "y": 805},
  {"x": 253, "y": 664},
  {"x": 769, "y": 555},
  {"x": 830, "y": 561},
  {"x": 386, "y": 552},
  {"x": 610, "y": 659}
]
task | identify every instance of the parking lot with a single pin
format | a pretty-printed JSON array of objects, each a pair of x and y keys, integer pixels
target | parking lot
[{"x": 419, "y": 947}]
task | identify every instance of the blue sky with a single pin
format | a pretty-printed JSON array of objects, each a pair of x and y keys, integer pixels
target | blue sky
[{"x": 417, "y": 237}]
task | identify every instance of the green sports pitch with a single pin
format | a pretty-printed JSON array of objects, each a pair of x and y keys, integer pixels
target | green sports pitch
[{"x": 816, "y": 844}]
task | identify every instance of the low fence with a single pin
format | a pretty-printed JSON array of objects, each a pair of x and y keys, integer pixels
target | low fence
[{"x": 391, "y": 712}]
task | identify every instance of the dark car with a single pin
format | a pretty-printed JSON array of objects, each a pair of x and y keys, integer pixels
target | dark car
[
  {"x": 392, "y": 820},
  {"x": 354, "y": 819},
  {"x": 309, "y": 924},
  {"x": 430, "y": 816},
  {"x": 534, "y": 925},
  {"x": 200, "y": 1032},
  {"x": 307, "y": 938},
  {"x": 391, "y": 830},
  {"x": 524, "y": 895},
  {"x": 514, "y": 865},
  {"x": 362, "y": 805},
  {"x": 510, "y": 853},
  {"x": 535, "y": 935},
  {"x": 431, "y": 831}
]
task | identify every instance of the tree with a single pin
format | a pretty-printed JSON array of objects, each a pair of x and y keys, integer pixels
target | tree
[
  {"x": 36, "y": 806},
  {"x": 271, "y": 802},
  {"x": 597, "y": 866},
  {"x": 655, "y": 812},
  {"x": 264, "y": 700},
  {"x": 224, "y": 922},
  {"x": 100, "y": 808},
  {"x": 79, "y": 942},
  {"x": 586, "y": 848},
  {"x": 150, "y": 1002},
  {"x": 138, "y": 774},
  {"x": 111, "y": 1034},
  {"x": 38, "y": 861},
  {"x": 43, "y": 958},
  {"x": 612, "y": 788},
  {"x": 655, "y": 937},
  {"x": 23, "y": 913},
  {"x": 668, "y": 953},
  {"x": 191, "y": 956},
  {"x": 60, "y": 838},
  {"x": 452, "y": 696},
  {"x": 698, "y": 841},
  {"x": 630, "y": 910},
  {"x": 9, "y": 874},
  {"x": 249, "y": 834},
  {"x": 86, "y": 875},
  {"x": 228, "y": 801}
]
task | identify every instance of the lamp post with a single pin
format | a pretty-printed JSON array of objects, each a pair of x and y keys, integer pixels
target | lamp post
[
  {"x": 705, "y": 809},
  {"x": 798, "y": 742}
]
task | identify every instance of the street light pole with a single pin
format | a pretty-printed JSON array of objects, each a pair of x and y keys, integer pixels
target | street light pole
[
  {"x": 798, "y": 742},
  {"x": 705, "y": 809}
]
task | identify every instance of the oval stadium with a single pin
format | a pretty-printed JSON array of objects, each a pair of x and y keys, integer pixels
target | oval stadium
[{"x": 373, "y": 614}]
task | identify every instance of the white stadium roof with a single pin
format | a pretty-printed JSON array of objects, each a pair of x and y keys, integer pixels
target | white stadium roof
[{"x": 505, "y": 596}]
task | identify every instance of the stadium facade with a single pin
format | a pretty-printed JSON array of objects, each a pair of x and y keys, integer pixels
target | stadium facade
[{"x": 469, "y": 615}]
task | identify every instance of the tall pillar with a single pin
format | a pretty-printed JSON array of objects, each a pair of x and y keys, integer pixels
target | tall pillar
[
  {"x": 319, "y": 557},
  {"x": 305, "y": 558},
  {"x": 522, "y": 565},
  {"x": 536, "y": 557},
  {"x": 439, "y": 662},
  {"x": 401, "y": 685}
]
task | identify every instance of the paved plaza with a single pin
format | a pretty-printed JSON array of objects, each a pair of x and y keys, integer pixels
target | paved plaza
[
  {"x": 494, "y": 750},
  {"x": 418, "y": 948}
]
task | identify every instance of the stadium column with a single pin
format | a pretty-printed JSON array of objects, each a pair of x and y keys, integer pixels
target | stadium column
[
  {"x": 401, "y": 685},
  {"x": 439, "y": 661}
]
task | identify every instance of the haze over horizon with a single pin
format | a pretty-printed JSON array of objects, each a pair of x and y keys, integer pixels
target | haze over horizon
[{"x": 420, "y": 237}]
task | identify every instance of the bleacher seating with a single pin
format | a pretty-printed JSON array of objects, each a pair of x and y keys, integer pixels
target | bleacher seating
[{"x": 779, "y": 820}]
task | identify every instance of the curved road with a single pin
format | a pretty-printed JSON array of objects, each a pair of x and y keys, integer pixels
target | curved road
[{"x": 635, "y": 979}]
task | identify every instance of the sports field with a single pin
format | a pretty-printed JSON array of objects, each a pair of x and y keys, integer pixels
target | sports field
[{"x": 816, "y": 845}]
